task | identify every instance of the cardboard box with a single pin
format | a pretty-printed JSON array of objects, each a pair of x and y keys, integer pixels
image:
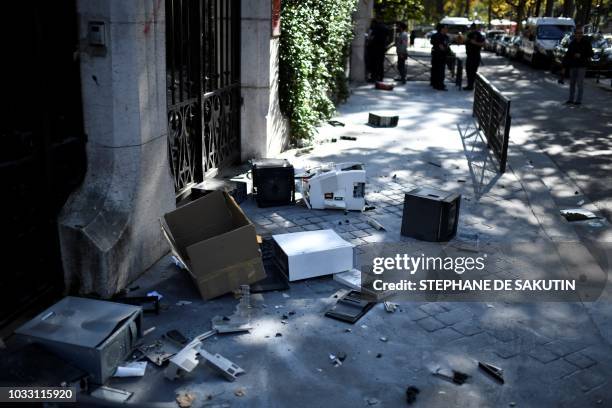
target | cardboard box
[
  {"x": 308, "y": 254},
  {"x": 94, "y": 335},
  {"x": 216, "y": 242}
]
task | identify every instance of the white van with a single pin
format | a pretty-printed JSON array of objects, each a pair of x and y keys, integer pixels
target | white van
[
  {"x": 455, "y": 26},
  {"x": 541, "y": 34}
]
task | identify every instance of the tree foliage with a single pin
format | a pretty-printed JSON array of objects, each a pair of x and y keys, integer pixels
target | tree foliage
[
  {"x": 314, "y": 47},
  {"x": 400, "y": 10}
]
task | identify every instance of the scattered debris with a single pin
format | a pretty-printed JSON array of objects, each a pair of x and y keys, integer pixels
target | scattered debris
[
  {"x": 382, "y": 121},
  {"x": 376, "y": 224},
  {"x": 369, "y": 208},
  {"x": 278, "y": 335},
  {"x": 183, "y": 302},
  {"x": 185, "y": 399},
  {"x": 495, "y": 372},
  {"x": 149, "y": 330},
  {"x": 156, "y": 294},
  {"x": 326, "y": 254},
  {"x": 350, "y": 307},
  {"x": 379, "y": 355},
  {"x": 411, "y": 394},
  {"x": 390, "y": 307},
  {"x": 286, "y": 295},
  {"x": 460, "y": 181},
  {"x": 186, "y": 359},
  {"x": 347, "y": 330},
  {"x": 434, "y": 164},
  {"x": 578, "y": 214},
  {"x": 240, "y": 392},
  {"x": 196, "y": 239},
  {"x": 178, "y": 262},
  {"x": 335, "y": 123},
  {"x": 456, "y": 377},
  {"x": 142, "y": 301},
  {"x": 337, "y": 359},
  {"x": 133, "y": 369},
  {"x": 335, "y": 186},
  {"x": 372, "y": 401},
  {"x": 348, "y": 138},
  {"x": 580, "y": 202},
  {"x": 87, "y": 333},
  {"x": 240, "y": 321},
  {"x": 225, "y": 367},
  {"x": 385, "y": 86},
  {"x": 384, "y": 339},
  {"x": 111, "y": 394}
]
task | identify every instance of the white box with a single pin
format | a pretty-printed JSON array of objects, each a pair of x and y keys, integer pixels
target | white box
[
  {"x": 308, "y": 254},
  {"x": 335, "y": 186}
]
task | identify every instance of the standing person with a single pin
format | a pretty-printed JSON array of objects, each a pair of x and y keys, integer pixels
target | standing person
[
  {"x": 473, "y": 45},
  {"x": 401, "y": 47},
  {"x": 439, "y": 51},
  {"x": 377, "y": 47},
  {"x": 577, "y": 59},
  {"x": 412, "y": 37}
]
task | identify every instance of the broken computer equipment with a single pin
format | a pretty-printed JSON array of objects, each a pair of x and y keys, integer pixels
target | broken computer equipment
[{"x": 335, "y": 186}]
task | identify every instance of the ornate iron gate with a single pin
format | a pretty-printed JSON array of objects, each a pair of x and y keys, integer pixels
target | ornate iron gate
[{"x": 203, "y": 84}]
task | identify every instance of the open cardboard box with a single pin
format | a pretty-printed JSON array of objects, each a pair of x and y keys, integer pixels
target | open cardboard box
[{"x": 216, "y": 242}]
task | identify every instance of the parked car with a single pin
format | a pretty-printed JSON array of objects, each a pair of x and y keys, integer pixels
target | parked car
[
  {"x": 541, "y": 35},
  {"x": 601, "y": 62},
  {"x": 501, "y": 44},
  {"x": 513, "y": 49},
  {"x": 490, "y": 39}
]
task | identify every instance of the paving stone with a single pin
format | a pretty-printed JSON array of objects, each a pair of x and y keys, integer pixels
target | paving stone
[
  {"x": 504, "y": 334},
  {"x": 262, "y": 221},
  {"x": 563, "y": 348},
  {"x": 446, "y": 335},
  {"x": 350, "y": 228},
  {"x": 588, "y": 379},
  {"x": 346, "y": 235},
  {"x": 362, "y": 225},
  {"x": 454, "y": 316},
  {"x": 467, "y": 328},
  {"x": 295, "y": 229},
  {"x": 560, "y": 368},
  {"x": 314, "y": 220},
  {"x": 311, "y": 227},
  {"x": 301, "y": 221},
  {"x": 507, "y": 350},
  {"x": 432, "y": 308},
  {"x": 430, "y": 324},
  {"x": 414, "y": 313},
  {"x": 580, "y": 360},
  {"x": 359, "y": 234},
  {"x": 543, "y": 355}
]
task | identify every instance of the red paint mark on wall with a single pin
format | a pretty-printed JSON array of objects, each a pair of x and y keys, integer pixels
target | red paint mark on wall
[
  {"x": 276, "y": 16},
  {"x": 148, "y": 23}
]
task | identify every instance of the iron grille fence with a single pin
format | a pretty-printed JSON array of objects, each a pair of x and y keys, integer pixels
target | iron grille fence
[
  {"x": 203, "y": 88},
  {"x": 492, "y": 113}
]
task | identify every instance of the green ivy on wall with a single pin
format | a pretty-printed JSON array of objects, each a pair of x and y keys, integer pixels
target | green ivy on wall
[{"x": 314, "y": 47}]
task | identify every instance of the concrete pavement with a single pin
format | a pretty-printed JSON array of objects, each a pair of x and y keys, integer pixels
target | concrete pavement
[{"x": 553, "y": 353}]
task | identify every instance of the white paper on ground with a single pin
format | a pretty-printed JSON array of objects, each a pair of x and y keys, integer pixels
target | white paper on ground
[{"x": 133, "y": 369}]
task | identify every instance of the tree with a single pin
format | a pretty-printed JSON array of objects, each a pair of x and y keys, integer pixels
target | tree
[
  {"x": 399, "y": 10},
  {"x": 549, "y": 8}
]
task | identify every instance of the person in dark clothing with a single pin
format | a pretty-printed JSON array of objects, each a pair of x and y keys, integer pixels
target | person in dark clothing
[
  {"x": 401, "y": 47},
  {"x": 377, "y": 47},
  {"x": 576, "y": 60},
  {"x": 412, "y": 37},
  {"x": 439, "y": 51},
  {"x": 473, "y": 44}
]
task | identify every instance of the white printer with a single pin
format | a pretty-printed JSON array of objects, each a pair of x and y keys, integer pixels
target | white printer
[{"x": 335, "y": 186}]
